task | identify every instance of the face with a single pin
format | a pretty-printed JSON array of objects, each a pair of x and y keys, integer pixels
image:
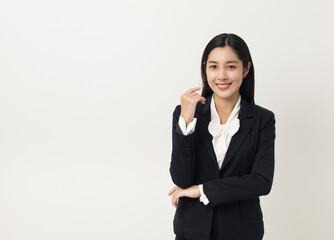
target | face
[{"x": 225, "y": 73}]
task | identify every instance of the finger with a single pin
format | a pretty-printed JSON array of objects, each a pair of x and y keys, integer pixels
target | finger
[
  {"x": 172, "y": 190},
  {"x": 197, "y": 98},
  {"x": 175, "y": 197},
  {"x": 193, "y": 94},
  {"x": 193, "y": 89},
  {"x": 174, "y": 201}
]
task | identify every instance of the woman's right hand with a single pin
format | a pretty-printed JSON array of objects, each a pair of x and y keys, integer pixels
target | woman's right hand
[{"x": 189, "y": 100}]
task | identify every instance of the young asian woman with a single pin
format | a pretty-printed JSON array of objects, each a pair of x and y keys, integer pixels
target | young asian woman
[{"x": 222, "y": 157}]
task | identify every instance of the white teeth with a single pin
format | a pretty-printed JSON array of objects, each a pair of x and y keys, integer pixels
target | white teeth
[{"x": 223, "y": 85}]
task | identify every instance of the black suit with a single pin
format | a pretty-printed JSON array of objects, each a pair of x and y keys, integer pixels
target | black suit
[{"x": 233, "y": 191}]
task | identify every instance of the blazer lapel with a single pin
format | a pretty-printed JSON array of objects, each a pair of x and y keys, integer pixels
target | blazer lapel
[
  {"x": 203, "y": 120},
  {"x": 246, "y": 117}
]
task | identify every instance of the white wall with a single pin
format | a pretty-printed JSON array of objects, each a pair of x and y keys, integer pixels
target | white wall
[{"x": 87, "y": 91}]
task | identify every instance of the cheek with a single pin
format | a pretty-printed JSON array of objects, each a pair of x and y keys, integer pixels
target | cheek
[
  {"x": 211, "y": 81},
  {"x": 237, "y": 76},
  {"x": 211, "y": 76}
]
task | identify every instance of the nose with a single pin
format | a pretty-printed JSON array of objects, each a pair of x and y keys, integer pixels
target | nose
[{"x": 222, "y": 74}]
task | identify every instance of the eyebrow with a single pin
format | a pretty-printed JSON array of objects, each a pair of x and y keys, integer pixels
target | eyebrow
[{"x": 232, "y": 61}]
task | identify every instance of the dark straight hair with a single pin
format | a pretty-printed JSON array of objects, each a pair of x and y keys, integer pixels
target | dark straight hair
[{"x": 241, "y": 49}]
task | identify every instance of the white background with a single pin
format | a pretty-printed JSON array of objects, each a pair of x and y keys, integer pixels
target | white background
[{"x": 87, "y": 91}]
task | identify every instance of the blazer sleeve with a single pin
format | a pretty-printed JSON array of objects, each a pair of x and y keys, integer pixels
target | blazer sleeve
[
  {"x": 182, "y": 165},
  {"x": 190, "y": 128},
  {"x": 258, "y": 182}
]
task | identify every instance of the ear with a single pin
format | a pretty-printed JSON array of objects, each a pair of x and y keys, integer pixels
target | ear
[{"x": 247, "y": 69}]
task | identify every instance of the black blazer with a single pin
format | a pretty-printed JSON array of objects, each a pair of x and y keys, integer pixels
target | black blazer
[{"x": 246, "y": 173}]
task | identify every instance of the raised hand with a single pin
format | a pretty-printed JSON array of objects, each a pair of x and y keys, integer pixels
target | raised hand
[{"x": 189, "y": 101}]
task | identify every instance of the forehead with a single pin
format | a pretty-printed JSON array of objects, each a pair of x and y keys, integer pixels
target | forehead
[{"x": 223, "y": 54}]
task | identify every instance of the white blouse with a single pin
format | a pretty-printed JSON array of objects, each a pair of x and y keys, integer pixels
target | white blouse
[{"x": 221, "y": 133}]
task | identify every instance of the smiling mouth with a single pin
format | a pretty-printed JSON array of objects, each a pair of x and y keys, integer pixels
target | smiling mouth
[{"x": 223, "y": 86}]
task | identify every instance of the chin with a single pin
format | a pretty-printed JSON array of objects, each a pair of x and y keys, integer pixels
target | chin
[{"x": 225, "y": 96}]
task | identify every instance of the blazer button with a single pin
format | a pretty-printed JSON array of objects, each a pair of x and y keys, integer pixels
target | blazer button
[{"x": 187, "y": 148}]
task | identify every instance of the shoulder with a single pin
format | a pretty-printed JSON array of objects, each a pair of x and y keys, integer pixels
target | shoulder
[
  {"x": 261, "y": 111},
  {"x": 264, "y": 115}
]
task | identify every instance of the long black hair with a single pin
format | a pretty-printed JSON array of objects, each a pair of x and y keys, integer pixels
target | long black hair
[{"x": 241, "y": 49}]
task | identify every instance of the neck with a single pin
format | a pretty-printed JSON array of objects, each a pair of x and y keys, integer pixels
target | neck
[{"x": 225, "y": 106}]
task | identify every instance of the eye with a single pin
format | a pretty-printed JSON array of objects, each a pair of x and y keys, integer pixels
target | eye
[
  {"x": 212, "y": 66},
  {"x": 230, "y": 66}
]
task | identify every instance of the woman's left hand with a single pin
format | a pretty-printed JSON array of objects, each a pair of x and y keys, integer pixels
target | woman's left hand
[{"x": 177, "y": 192}]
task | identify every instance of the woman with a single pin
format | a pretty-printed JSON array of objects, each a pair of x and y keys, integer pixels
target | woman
[{"x": 223, "y": 149}]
